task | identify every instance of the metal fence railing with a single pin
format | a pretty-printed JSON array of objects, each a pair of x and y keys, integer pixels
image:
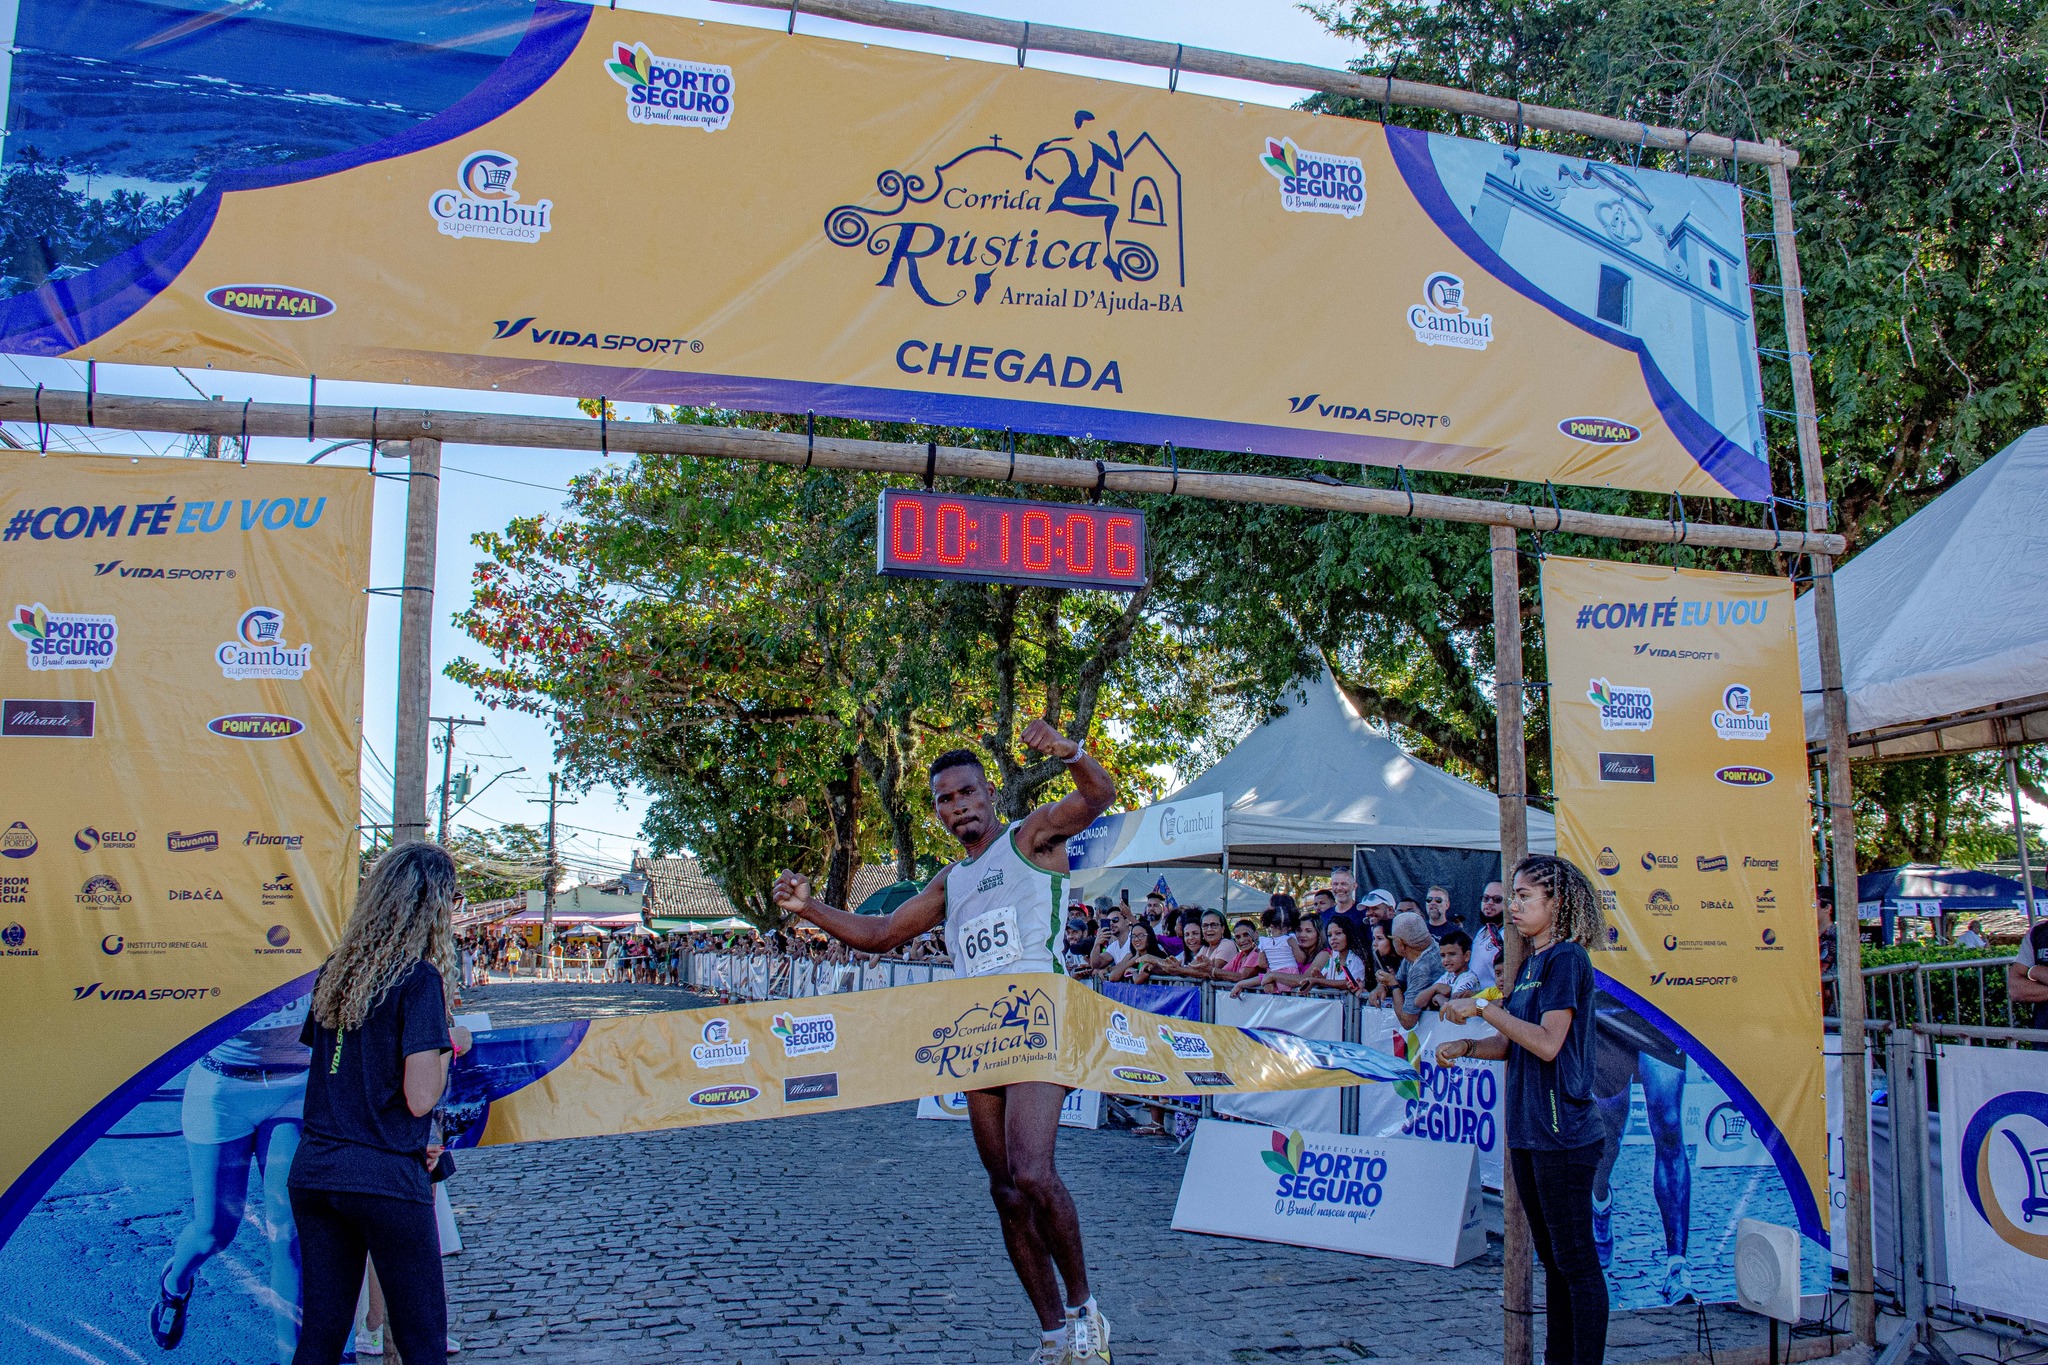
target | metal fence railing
[{"x": 1969, "y": 994}]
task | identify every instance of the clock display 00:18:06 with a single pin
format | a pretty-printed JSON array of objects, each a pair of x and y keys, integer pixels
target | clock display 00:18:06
[{"x": 1001, "y": 540}]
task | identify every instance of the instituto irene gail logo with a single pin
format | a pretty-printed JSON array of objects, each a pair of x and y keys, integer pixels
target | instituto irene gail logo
[
  {"x": 1120, "y": 1036},
  {"x": 1441, "y": 319},
  {"x": 664, "y": 90},
  {"x": 805, "y": 1035},
  {"x": 2004, "y": 1156},
  {"x": 1735, "y": 719},
  {"x": 260, "y": 651},
  {"x": 1315, "y": 182},
  {"x": 65, "y": 639},
  {"x": 1622, "y": 708},
  {"x": 719, "y": 1047},
  {"x": 484, "y": 204}
]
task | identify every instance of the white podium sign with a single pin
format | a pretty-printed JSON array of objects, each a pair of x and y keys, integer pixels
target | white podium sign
[
  {"x": 1372, "y": 1196},
  {"x": 1083, "y": 1108}
]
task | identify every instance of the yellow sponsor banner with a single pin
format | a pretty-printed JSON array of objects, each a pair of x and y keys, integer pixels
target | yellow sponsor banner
[
  {"x": 1679, "y": 757},
  {"x": 760, "y": 1061},
  {"x": 182, "y": 677},
  {"x": 659, "y": 209}
]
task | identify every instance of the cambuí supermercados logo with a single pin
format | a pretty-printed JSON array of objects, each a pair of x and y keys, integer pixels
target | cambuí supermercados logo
[
  {"x": 1081, "y": 221},
  {"x": 485, "y": 203},
  {"x": 2004, "y": 1165},
  {"x": 662, "y": 90},
  {"x": 1018, "y": 1026}
]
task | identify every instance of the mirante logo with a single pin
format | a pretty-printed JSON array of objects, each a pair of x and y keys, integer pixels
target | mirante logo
[{"x": 1077, "y": 223}]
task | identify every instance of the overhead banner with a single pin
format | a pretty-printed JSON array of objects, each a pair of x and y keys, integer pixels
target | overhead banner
[
  {"x": 1994, "y": 1176},
  {"x": 1679, "y": 762},
  {"x": 556, "y": 199},
  {"x": 1153, "y": 834}
]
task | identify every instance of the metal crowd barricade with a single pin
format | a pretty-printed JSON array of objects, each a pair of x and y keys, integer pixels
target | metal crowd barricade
[{"x": 1967, "y": 993}]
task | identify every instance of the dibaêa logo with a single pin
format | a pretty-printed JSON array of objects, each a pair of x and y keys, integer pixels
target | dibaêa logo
[
  {"x": 1736, "y": 720},
  {"x": 1074, "y": 223},
  {"x": 805, "y": 1035},
  {"x": 719, "y": 1047},
  {"x": 1442, "y": 319},
  {"x": 1622, "y": 708},
  {"x": 2004, "y": 1159},
  {"x": 485, "y": 204},
  {"x": 1018, "y": 1027},
  {"x": 662, "y": 90},
  {"x": 1315, "y": 182}
]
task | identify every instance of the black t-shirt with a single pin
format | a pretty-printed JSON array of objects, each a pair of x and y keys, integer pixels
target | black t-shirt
[
  {"x": 2033, "y": 952},
  {"x": 1550, "y": 1104},
  {"x": 359, "y": 1135}
]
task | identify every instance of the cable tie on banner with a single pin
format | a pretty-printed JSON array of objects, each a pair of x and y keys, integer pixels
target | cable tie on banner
[
  {"x": 1010, "y": 444},
  {"x": 91, "y": 386},
  {"x": 245, "y": 432},
  {"x": 1637, "y": 159},
  {"x": 1387, "y": 95},
  {"x": 1401, "y": 475},
  {"x": 1024, "y": 43},
  {"x": 1173, "y": 458},
  {"x": 1173, "y": 76},
  {"x": 1518, "y": 125},
  {"x": 1685, "y": 166},
  {"x": 604, "y": 429},
  {"x": 792, "y": 13},
  {"x": 42, "y": 427},
  {"x": 1555, "y": 510},
  {"x": 312, "y": 394},
  {"x": 1678, "y": 505},
  {"x": 1777, "y": 536},
  {"x": 1734, "y": 158},
  {"x": 372, "y": 467},
  {"x": 810, "y": 437},
  {"x": 931, "y": 463},
  {"x": 1101, "y": 473}
]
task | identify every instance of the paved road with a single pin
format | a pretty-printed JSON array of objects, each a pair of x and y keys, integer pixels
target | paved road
[{"x": 868, "y": 1234}]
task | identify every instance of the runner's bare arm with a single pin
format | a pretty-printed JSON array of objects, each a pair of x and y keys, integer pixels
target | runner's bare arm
[
  {"x": 865, "y": 933},
  {"x": 1048, "y": 828}
]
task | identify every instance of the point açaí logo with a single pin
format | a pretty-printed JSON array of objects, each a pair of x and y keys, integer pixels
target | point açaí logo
[
  {"x": 1622, "y": 708},
  {"x": 1441, "y": 319},
  {"x": 1736, "y": 720},
  {"x": 666, "y": 91},
  {"x": 1017, "y": 1027},
  {"x": 1084, "y": 216},
  {"x": 2004, "y": 1159},
  {"x": 803, "y": 1035},
  {"x": 1315, "y": 182},
  {"x": 65, "y": 639},
  {"x": 719, "y": 1047},
  {"x": 1338, "y": 1178},
  {"x": 484, "y": 204},
  {"x": 259, "y": 649}
]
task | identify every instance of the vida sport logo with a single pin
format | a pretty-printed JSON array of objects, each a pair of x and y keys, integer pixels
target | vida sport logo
[
  {"x": 484, "y": 204},
  {"x": 65, "y": 639},
  {"x": 1622, "y": 708},
  {"x": 1315, "y": 182},
  {"x": 1314, "y": 1182},
  {"x": 663, "y": 90}
]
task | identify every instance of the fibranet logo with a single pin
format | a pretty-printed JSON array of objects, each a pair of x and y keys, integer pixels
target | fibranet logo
[
  {"x": 1760, "y": 864},
  {"x": 257, "y": 838},
  {"x": 665, "y": 91}
]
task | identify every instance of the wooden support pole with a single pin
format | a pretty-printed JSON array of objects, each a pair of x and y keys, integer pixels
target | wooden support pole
[
  {"x": 415, "y": 643},
  {"x": 954, "y": 462},
  {"x": 1841, "y": 815},
  {"x": 1518, "y": 1282},
  {"x": 1075, "y": 42}
]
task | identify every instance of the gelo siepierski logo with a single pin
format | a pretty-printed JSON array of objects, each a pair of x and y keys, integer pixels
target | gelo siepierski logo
[
  {"x": 804, "y": 1035},
  {"x": 719, "y": 1047},
  {"x": 484, "y": 203},
  {"x": 1442, "y": 319},
  {"x": 666, "y": 91},
  {"x": 2004, "y": 1158},
  {"x": 259, "y": 649},
  {"x": 1622, "y": 708},
  {"x": 1120, "y": 1036},
  {"x": 1315, "y": 182},
  {"x": 1187, "y": 1047},
  {"x": 1735, "y": 719}
]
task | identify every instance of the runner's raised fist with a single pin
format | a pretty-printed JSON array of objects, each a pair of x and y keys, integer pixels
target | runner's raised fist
[
  {"x": 1043, "y": 737},
  {"x": 792, "y": 891}
]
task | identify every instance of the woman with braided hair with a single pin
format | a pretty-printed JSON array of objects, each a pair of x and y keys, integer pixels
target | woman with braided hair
[{"x": 1544, "y": 1032}]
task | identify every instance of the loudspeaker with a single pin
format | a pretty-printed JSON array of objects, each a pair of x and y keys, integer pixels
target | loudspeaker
[{"x": 1767, "y": 1269}]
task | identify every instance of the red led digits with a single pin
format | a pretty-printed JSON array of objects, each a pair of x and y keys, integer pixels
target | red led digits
[
  {"x": 1037, "y": 541},
  {"x": 1123, "y": 547},
  {"x": 1080, "y": 544},
  {"x": 952, "y": 516},
  {"x": 1002, "y": 540},
  {"x": 906, "y": 531}
]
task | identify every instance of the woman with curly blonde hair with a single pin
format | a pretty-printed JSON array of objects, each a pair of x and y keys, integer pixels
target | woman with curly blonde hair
[
  {"x": 361, "y": 1184},
  {"x": 1544, "y": 1032}
]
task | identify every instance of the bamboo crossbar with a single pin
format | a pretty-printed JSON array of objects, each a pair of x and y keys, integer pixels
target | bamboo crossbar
[
  {"x": 197, "y": 417},
  {"x": 1076, "y": 42}
]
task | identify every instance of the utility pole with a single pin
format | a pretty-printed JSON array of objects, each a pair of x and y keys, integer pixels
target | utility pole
[
  {"x": 415, "y": 643},
  {"x": 547, "y": 910},
  {"x": 448, "y": 724}
]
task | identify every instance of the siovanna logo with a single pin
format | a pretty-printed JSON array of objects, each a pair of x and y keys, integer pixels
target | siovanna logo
[
  {"x": 1315, "y": 182},
  {"x": 663, "y": 90},
  {"x": 270, "y": 301},
  {"x": 1600, "y": 431},
  {"x": 1442, "y": 319},
  {"x": 205, "y": 841},
  {"x": 1018, "y": 1027},
  {"x": 259, "y": 649},
  {"x": 102, "y": 893},
  {"x": 2004, "y": 1160},
  {"x": 805, "y": 1035},
  {"x": 1735, "y": 719},
  {"x": 1186, "y": 1047},
  {"x": 1341, "y": 1179},
  {"x": 1717, "y": 863},
  {"x": 1120, "y": 1036},
  {"x": 1608, "y": 863},
  {"x": 18, "y": 841},
  {"x": 1622, "y": 708},
  {"x": 719, "y": 1047},
  {"x": 65, "y": 639},
  {"x": 724, "y": 1096},
  {"x": 1742, "y": 776},
  {"x": 485, "y": 205}
]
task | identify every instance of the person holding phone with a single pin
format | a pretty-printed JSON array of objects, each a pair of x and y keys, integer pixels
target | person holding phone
[{"x": 1544, "y": 1032}]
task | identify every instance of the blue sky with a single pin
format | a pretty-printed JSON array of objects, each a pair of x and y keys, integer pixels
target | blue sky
[{"x": 485, "y": 488}]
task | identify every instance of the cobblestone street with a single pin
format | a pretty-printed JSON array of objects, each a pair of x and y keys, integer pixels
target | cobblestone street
[{"x": 869, "y": 1234}]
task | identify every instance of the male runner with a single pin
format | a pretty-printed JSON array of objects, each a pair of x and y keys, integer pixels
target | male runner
[{"x": 1000, "y": 905}]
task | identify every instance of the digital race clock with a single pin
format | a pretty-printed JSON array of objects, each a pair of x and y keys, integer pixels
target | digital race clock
[{"x": 998, "y": 540}]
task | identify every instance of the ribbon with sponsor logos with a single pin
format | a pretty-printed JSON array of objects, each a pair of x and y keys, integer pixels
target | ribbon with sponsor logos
[{"x": 758, "y": 1061}]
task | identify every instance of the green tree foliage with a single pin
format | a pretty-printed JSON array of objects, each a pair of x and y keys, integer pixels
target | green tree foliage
[
  {"x": 49, "y": 230},
  {"x": 492, "y": 864},
  {"x": 1951, "y": 809}
]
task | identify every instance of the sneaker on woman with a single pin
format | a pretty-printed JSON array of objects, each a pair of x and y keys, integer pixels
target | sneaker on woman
[
  {"x": 1088, "y": 1335},
  {"x": 1055, "y": 1351}
]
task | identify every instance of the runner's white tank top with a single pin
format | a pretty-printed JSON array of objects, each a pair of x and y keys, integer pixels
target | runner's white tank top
[{"x": 1003, "y": 912}]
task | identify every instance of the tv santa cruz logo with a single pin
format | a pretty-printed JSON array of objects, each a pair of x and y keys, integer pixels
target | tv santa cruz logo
[
  {"x": 1315, "y": 182},
  {"x": 2004, "y": 1160},
  {"x": 1442, "y": 319},
  {"x": 484, "y": 204},
  {"x": 666, "y": 91},
  {"x": 1735, "y": 719},
  {"x": 804, "y": 1035},
  {"x": 1120, "y": 1036},
  {"x": 1622, "y": 708},
  {"x": 260, "y": 651},
  {"x": 719, "y": 1047},
  {"x": 65, "y": 639}
]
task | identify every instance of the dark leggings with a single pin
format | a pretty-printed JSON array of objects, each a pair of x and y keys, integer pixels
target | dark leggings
[
  {"x": 336, "y": 1230},
  {"x": 1557, "y": 1196}
]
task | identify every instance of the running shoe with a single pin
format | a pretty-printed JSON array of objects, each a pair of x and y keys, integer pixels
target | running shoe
[
  {"x": 369, "y": 1341},
  {"x": 1055, "y": 1352},
  {"x": 1088, "y": 1336},
  {"x": 1678, "y": 1281},
  {"x": 1603, "y": 1230},
  {"x": 167, "y": 1319}
]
